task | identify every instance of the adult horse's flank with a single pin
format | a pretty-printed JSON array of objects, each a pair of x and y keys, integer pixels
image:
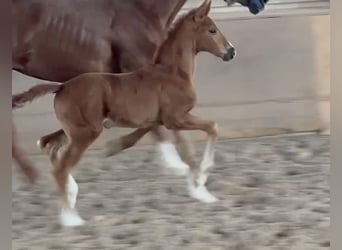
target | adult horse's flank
[
  {"x": 157, "y": 94},
  {"x": 57, "y": 40}
]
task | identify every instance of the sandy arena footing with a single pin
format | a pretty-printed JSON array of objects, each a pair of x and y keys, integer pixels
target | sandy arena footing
[{"x": 274, "y": 194}]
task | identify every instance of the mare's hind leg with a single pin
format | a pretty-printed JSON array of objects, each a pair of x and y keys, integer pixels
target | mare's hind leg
[{"x": 70, "y": 155}]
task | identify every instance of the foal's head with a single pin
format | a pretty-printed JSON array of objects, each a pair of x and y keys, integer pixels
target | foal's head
[{"x": 206, "y": 35}]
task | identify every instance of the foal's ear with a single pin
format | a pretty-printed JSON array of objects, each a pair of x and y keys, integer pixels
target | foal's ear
[{"x": 202, "y": 11}]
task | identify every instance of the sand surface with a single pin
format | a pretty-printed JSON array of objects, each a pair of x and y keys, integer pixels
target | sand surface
[{"x": 274, "y": 194}]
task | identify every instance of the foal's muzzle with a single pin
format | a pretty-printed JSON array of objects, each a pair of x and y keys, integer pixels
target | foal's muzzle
[{"x": 229, "y": 55}]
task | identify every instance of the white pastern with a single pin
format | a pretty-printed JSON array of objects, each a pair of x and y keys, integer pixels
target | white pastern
[
  {"x": 70, "y": 218},
  {"x": 202, "y": 194},
  {"x": 208, "y": 157},
  {"x": 72, "y": 191},
  {"x": 173, "y": 160}
]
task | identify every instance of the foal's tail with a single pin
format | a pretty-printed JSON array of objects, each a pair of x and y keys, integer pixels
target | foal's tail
[{"x": 18, "y": 100}]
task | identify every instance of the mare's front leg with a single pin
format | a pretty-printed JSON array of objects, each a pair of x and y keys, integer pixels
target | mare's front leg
[{"x": 197, "y": 177}]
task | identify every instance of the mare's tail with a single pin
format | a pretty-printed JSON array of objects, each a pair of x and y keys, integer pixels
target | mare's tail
[{"x": 18, "y": 100}]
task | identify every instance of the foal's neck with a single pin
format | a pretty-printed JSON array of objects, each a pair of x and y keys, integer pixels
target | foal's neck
[{"x": 179, "y": 52}]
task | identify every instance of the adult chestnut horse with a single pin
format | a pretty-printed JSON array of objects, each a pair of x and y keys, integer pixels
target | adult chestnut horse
[
  {"x": 161, "y": 93},
  {"x": 57, "y": 40}
]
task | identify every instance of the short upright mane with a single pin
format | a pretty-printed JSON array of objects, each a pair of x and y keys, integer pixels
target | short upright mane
[
  {"x": 172, "y": 32},
  {"x": 178, "y": 23}
]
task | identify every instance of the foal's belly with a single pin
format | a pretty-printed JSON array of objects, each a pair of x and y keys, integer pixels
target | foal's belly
[
  {"x": 136, "y": 116},
  {"x": 123, "y": 123},
  {"x": 135, "y": 110}
]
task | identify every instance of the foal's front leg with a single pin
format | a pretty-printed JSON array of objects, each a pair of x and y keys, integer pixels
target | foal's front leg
[{"x": 198, "y": 177}]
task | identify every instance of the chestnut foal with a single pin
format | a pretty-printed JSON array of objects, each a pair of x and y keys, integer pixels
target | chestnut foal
[{"x": 157, "y": 94}]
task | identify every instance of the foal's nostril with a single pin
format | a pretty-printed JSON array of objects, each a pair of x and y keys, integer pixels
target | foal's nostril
[{"x": 231, "y": 52}]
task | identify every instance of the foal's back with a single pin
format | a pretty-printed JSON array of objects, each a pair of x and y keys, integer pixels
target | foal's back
[{"x": 131, "y": 99}]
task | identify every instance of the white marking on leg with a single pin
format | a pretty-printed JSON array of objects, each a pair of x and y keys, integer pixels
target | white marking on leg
[
  {"x": 172, "y": 159},
  {"x": 208, "y": 156},
  {"x": 69, "y": 216},
  {"x": 197, "y": 188},
  {"x": 72, "y": 190},
  {"x": 200, "y": 192},
  {"x": 202, "y": 178}
]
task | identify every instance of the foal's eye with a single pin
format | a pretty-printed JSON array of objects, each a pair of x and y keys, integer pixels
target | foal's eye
[{"x": 212, "y": 31}]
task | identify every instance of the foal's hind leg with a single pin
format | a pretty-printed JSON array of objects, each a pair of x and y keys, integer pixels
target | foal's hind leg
[
  {"x": 126, "y": 141},
  {"x": 170, "y": 156},
  {"x": 56, "y": 139},
  {"x": 69, "y": 157}
]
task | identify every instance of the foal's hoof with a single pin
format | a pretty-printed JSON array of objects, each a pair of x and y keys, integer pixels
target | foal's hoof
[
  {"x": 70, "y": 218},
  {"x": 202, "y": 194},
  {"x": 46, "y": 147},
  {"x": 42, "y": 146}
]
